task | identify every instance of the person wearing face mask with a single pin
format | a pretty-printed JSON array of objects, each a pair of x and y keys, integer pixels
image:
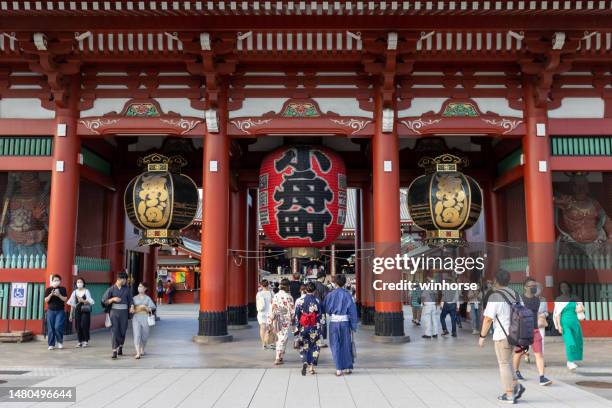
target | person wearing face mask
[
  {"x": 537, "y": 305},
  {"x": 81, "y": 303},
  {"x": 55, "y": 298},
  {"x": 119, "y": 298},
  {"x": 143, "y": 306}
]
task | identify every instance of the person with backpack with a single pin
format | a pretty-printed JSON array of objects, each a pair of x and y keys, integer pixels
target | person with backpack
[
  {"x": 512, "y": 326},
  {"x": 537, "y": 305}
]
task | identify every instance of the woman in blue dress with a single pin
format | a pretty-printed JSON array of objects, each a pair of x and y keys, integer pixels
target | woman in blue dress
[{"x": 308, "y": 323}]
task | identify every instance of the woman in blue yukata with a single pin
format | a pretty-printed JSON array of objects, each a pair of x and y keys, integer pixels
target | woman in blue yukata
[
  {"x": 340, "y": 307},
  {"x": 309, "y": 318}
]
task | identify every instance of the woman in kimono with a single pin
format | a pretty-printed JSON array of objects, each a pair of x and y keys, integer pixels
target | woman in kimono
[
  {"x": 281, "y": 318},
  {"x": 308, "y": 324},
  {"x": 143, "y": 305},
  {"x": 340, "y": 307},
  {"x": 565, "y": 316}
]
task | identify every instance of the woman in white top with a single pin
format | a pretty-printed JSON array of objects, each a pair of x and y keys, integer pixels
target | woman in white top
[
  {"x": 263, "y": 301},
  {"x": 81, "y": 304}
]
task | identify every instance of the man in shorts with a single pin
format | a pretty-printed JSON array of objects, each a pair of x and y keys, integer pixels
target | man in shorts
[{"x": 537, "y": 305}]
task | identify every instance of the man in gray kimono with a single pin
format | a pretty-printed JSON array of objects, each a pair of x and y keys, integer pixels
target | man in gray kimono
[{"x": 118, "y": 299}]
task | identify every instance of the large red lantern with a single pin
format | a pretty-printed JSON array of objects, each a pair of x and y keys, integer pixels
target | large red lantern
[{"x": 302, "y": 196}]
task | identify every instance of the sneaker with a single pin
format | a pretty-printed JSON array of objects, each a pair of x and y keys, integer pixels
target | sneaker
[
  {"x": 60, "y": 346},
  {"x": 544, "y": 381},
  {"x": 78, "y": 345},
  {"x": 454, "y": 335},
  {"x": 435, "y": 336},
  {"x": 114, "y": 356},
  {"x": 519, "y": 375},
  {"x": 571, "y": 365},
  {"x": 518, "y": 392},
  {"x": 426, "y": 336},
  {"x": 51, "y": 348},
  {"x": 85, "y": 344},
  {"x": 445, "y": 332},
  {"x": 506, "y": 399},
  {"x": 120, "y": 351},
  {"x": 304, "y": 367}
]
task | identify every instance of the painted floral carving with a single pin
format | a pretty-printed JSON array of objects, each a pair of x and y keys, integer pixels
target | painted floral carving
[
  {"x": 142, "y": 110},
  {"x": 417, "y": 124},
  {"x": 182, "y": 123},
  {"x": 507, "y": 124},
  {"x": 352, "y": 123},
  {"x": 460, "y": 109},
  {"x": 301, "y": 110},
  {"x": 94, "y": 125},
  {"x": 245, "y": 124}
]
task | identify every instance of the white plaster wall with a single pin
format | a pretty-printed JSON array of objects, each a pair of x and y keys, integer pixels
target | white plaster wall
[
  {"x": 342, "y": 106},
  {"x": 579, "y": 108},
  {"x": 497, "y": 105},
  {"x": 24, "y": 108},
  {"x": 258, "y": 106},
  {"x": 182, "y": 106},
  {"x": 420, "y": 106},
  {"x": 103, "y": 106}
]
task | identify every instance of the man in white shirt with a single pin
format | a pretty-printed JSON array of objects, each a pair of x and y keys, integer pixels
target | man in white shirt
[{"x": 498, "y": 313}]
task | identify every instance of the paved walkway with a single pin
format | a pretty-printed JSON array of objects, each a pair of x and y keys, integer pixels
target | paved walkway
[{"x": 446, "y": 372}]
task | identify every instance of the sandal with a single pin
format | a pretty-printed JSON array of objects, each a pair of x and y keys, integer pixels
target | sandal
[
  {"x": 312, "y": 370},
  {"x": 137, "y": 356},
  {"x": 278, "y": 362}
]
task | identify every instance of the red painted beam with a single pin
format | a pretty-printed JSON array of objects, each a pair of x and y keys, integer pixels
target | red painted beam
[
  {"x": 98, "y": 178},
  {"x": 500, "y": 22},
  {"x": 511, "y": 176},
  {"x": 23, "y": 275},
  {"x": 25, "y": 163},
  {"x": 580, "y": 127},
  {"x": 27, "y": 127},
  {"x": 585, "y": 163}
]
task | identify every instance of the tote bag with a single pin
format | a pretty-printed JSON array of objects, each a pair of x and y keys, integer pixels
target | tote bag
[{"x": 151, "y": 319}]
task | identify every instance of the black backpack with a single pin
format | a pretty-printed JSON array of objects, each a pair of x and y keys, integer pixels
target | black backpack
[{"x": 522, "y": 322}]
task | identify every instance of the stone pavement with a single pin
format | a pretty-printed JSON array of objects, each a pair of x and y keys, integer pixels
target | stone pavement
[{"x": 446, "y": 372}]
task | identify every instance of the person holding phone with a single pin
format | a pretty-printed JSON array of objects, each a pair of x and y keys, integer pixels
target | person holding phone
[
  {"x": 81, "y": 303},
  {"x": 55, "y": 298}
]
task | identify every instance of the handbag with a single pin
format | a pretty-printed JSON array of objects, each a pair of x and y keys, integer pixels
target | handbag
[
  {"x": 107, "y": 321},
  {"x": 581, "y": 315},
  {"x": 85, "y": 308},
  {"x": 151, "y": 319},
  {"x": 542, "y": 322}
]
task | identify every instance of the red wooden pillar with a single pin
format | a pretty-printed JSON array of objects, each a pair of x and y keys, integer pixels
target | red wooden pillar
[
  {"x": 367, "y": 292},
  {"x": 494, "y": 229},
  {"x": 215, "y": 219},
  {"x": 64, "y": 190},
  {"x": 388, "y": 317},
  {"x": 115, "y": 231},
  {"x": 538, "y": 193},
  {"x": 151, "y": 272},
  {"x": 252, "y": 261},
  {"x": 236, "y": 270},
  {"x": 358, "y": 249}
]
